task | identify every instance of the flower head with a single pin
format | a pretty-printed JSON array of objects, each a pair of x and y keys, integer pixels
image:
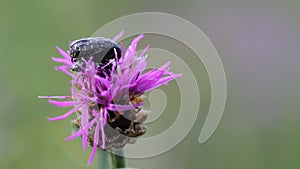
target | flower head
[{"x": 107, "y": 99}]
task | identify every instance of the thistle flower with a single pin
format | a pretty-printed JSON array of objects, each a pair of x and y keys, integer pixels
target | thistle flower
[{"x": 107, "y": 99}]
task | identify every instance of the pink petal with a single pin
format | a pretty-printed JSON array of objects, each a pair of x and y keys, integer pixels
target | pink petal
[
  {"x": 63, "y": 53},
  {"x": 79, "y": 132},
  {"x": 74, "y": 135},
  {"x": 65, "y": 115},
  {"x": 116, "y": 38},
  {"x": 94, "y": 150},
  {"x": 62, "y": 60},
  {"x": 97, "y": 130},
  {"x": 54, "y": 97},
  {"x": 115, "y": 107},
  {"x": 62, "y": 103},
  {"x": 65, "y": 70},
  {"x": 122, "y": 48},
  {"x": 84, "y": 123},
  {"x": 163, "y": 81},
  {"x": 136, "y": 41},
  {"x": 102, "y": 123},
  {"x": 145, "y": 50}
]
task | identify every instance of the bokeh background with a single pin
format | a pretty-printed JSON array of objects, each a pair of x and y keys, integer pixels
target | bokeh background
[{"x": 258, "y": 42}]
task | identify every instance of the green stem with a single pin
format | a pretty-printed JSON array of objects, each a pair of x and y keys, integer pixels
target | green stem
[
  {"x": 104, "y": 159},
  {"x": 118, "y": 161}
]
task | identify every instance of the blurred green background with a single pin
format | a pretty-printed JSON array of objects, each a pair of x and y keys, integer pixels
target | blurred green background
[{"x": 258, "y": 42}]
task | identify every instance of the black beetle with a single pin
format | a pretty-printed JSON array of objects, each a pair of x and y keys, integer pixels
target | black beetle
[{"x": 100, "y": 48}]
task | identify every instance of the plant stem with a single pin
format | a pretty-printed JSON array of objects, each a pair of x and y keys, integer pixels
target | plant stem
[
  {"x": 118, "y": 161},
  {"x": 104, "y": 159}
]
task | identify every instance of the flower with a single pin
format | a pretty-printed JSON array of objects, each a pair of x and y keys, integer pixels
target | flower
[{"x": 108, "y": 103}]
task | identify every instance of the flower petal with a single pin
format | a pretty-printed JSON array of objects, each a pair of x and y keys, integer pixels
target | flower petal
[
  {"x": 163, "y": 81},
  {"x": 84, "y": 123},
  {"x": 62, "y": 103},
  {"x": 54, "y": 97},
  {"x": 102, "y": 123},
  {"x": 115, "y": 107},
  {"x": 116, "y": 38},
  {"x": 94, "y": 150},
  {"x": 63, "y": 53},
  {"x": 65, "y": 69},
  {"x": 60, "y": 60},
  {"x": 70, "y": 112},
  {"x": 79, "y": 132},
  {"x": 145, "y": 50}
]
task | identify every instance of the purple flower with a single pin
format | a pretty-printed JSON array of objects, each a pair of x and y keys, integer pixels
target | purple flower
[{"x": 108, "y": 105}]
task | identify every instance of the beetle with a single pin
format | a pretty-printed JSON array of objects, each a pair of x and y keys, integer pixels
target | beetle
[{"x": 100, "y": 48}]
